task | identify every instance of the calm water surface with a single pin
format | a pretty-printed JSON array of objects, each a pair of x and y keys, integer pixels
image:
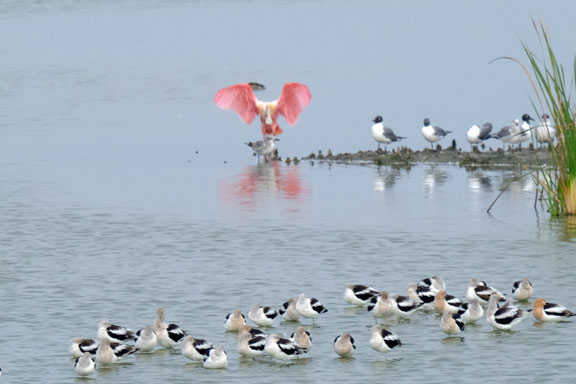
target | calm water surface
[{"x": 123, "y": 189}]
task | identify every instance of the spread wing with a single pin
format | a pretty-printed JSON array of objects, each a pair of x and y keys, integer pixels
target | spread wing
[
  {"x": 240, "y": 98},
  {"x": 294, "y": 99}
]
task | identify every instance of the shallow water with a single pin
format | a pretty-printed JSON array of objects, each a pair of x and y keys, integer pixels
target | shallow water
[{"x": 123, "y": 189}]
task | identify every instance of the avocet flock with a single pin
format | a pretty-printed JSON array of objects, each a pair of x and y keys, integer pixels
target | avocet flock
[
  {"x": 296, "y": 97},
  {"x": 114, "y": 342}
]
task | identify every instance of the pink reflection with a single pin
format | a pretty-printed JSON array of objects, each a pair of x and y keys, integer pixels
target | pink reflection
[{"x": 262, "y": 183}]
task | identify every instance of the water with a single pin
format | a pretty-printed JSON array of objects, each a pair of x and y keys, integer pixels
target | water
[{"x": 123, "y": 189}]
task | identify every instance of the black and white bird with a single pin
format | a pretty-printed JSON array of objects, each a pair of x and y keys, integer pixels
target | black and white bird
[
  {"x": 195, "y": 349},
  {"x": 476, "y": 135},
  {"x": 381, "y": 305},
  {"x": 264, "y": 147},
  {"x": 110, "y": 353},
  {"x": 435, "y": 283},
  {"x": 84, "y": 365},
  {"x": 282, "y": 348},
  {"x": 451, "y": 323},
  {"x": 382, "y": 340},
  {"x": 405, "y": 306},
  {"x": 522, "y": 289},
  {"x": 262, "y": 316},
  {"x": 146, "y": 339},
  {"x": 544, "y": 311},
  {"x": 114, "y": 333},
  {"x": 525, "y": 130},
  {"x": 382, "y": 134},
  {"x": 234, "y": 321},
  {"x": 432, "y": 133},
  {"x": 505, "y": 316},
  {"x": 344, "y": 345},
  {"x": 471, "y": 312},
  {"x": 359, "y": 294},
  {"x": 168, "y": 335},
  {"x": 309, "y": 308},
  {"x": 249, "y": 344},
  {"x": 288, "y": 310},
  {"x": 302, "y": 337},
  {"x": 445, "y": 302},
  {"x": 79, "y": 345},
  {"x": 216, "y": 359},
  {"x": 479, "y": 290}
]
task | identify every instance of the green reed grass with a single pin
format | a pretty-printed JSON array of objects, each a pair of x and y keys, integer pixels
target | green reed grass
[{"x": 554, "y": 94}]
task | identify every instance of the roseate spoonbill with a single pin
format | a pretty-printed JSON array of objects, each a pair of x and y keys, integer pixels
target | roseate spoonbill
[
  {"x": 432, "y": 133},
  {"x": 240, "y": 98}
]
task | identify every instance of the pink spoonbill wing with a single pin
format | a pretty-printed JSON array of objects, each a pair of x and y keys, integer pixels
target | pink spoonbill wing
[
  {"x": 294, "y": 99},
  {"x": 240, "y": 98}
]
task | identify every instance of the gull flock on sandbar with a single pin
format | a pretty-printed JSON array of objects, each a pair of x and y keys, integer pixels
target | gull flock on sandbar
[
  {"x": 261, "y": 340},
  {"x": 296, "y": 97}
]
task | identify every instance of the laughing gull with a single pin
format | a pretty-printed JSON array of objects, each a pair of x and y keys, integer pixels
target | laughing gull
[
  {"x": 382, "y": 134},
  {"x": 264, "y": 147},
  {"x": 432, "y": 133},
  {"x": 545, "y": 132},
  {"x": 476, "y": 135},
  {"x": 507, "y": 134}
]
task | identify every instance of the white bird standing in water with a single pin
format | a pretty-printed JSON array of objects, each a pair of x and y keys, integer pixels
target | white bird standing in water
[
  {"x": 451, "y": 323},
  {"x": 264, "y": 147},
  {"x": 382, "y": 340},
  {"x": 545, "y": 132},
  {"x": 522, "y": 289},
  {"x": 309, "y": 307},
  {"x": 544, "y": 311},
  {"x": 288, "y": 310},
  {"x": 147, "y": 340},
  {"x": 168, "y": 335},
  {"x": 358, "y": 294},
  {"x": 234, "y": 321},
  {"x": 344, "y": 345},
  {"x": 216, "y": 359},
  {"x": 504, "y": 317}
]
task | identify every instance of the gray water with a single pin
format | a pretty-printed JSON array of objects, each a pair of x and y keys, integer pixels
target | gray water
[{"x": 123, "y": 189}]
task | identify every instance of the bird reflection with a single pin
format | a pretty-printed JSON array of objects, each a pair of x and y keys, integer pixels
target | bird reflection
[
  {"x": 434, "y": 176},
  {"x": 264, "y": 181},
  {"x": 386, "y": 178},
  {"x": 518, "y": 184},
  {"x": 478, "y": 181}
]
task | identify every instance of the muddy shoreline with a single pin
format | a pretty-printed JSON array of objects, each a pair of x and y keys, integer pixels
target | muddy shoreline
[{"x": 403, "y": 156}]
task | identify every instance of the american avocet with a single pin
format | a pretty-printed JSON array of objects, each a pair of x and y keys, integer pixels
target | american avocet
[
  {"x": 471, "y": 312},
  {"x": 216, "y": 358},
  {"x": 480, "y": 291},
  {"x": 262, "y": 316},
  {"x": 250, "y": 345},
  {"x": 431, "y": 133},
  {"x": 114, "y": 333},
  {"x": 168, "y": 335},
  {"x": 476, "y": 135},
  {"x": 522, "y": 289},
  {"x": 264, "y": 147},
  {"x": 424, "y": 295},
  {"x": 195, "y": 349},
  {"x": 504, "y": 317},
  {"x": 146, "y": 339},
  {"x": 84, "y": 365},
  {"x": 358, "y": 294},
  {"x": 405, "y": 306},
  {"x": 110, "y": 353},
  {"x": 282, "y": 348},
  {"x": 234, "y": 321},
  {"x": 382, "y": 340},
  {"x": 435, "y": 283},
  {"x": 446, "y": 302},
  {"x": 309, "y": 307},
  {"x": 344, "y": 345},
  {"x": 79, "y": 345},
  {"x": 288, "y": 310},
  {"x": 545, "y": 132},
  {"x": 382, "y": 134},
  {"x": 381, "y": 305},
  {"x": 302, "y": 337},
  {"x": 544, "y": 311},
  {"x": 451, "y": 323}
]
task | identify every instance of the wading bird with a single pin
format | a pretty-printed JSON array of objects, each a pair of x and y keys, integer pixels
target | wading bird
[{"x": 240, "y": 98}]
